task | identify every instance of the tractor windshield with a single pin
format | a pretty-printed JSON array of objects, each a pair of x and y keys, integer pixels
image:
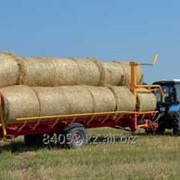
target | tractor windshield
[{"x": 169, "y": 94}]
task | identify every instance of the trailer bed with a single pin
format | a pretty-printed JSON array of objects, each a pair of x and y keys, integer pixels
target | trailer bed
[{"x": 54, "y": 124}]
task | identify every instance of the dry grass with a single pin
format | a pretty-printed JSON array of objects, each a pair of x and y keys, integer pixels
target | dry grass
[{"x": 152, "y": 157}]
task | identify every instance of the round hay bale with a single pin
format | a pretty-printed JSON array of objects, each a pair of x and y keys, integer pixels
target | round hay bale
[
  {"x": 74, "y": 100},
  {"x": 52, "y": 101},
  {"x": 67, "y": 72},
  {"x": 99, "y": 64},
  {"x": 146, "y": 101},
  {"x": 113, "y": 74},
  {"x": 89, "y": 72},
  {"x": 19, "y": 102},
  {"x": 38, "y": 72},
  {"x": 127, "y": 73},
  {"x": 79, "y": 99},
  {"x": 103, "y": 99},
  {"x": 9, "y": 69},
  {"x": 125, "y": 99}
]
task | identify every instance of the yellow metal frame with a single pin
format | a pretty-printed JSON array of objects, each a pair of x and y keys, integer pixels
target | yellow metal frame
[
  {"x": 134, "y": 66},
  {"x": 134, "y": 86},
  {"x": 45, "y": 118}
]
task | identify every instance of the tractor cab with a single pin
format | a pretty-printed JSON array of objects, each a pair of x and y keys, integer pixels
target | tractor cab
[
  {"x": 168, "y": 105},
  {"x": 171, "y": 90}
]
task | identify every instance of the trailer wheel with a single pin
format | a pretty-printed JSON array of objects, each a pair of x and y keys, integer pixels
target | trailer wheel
[
  {"x": 33, "y": 140},
  {"x": 75, "y": 136}
]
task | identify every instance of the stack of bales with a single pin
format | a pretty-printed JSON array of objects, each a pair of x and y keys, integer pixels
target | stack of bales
[
  {"x": 51, "y": 72},
  {"x": 53, "y": 86}
]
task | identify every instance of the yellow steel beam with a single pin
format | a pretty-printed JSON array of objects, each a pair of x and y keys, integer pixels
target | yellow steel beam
[
  {"x": 134, "y": 66},
  {"x": 153, "y": 62},
  {"x": 143, "y": 126},
  {"x": 83, "y": 115},
  {"x": 152, "y": 86}
]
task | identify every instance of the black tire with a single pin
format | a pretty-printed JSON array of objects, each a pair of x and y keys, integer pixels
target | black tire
[
  {"x": 75, "y": 136},
  {"x": 175, "y": 117},
  {"x": 33, "y": 140},
  {"x": 149, "y": 131},
  {"x": 162, "y": 126}
]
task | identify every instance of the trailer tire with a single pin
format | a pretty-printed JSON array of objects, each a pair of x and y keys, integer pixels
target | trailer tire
[{"x": 75, "y": 136}]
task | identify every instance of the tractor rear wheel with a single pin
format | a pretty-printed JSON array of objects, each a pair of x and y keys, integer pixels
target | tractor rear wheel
[{"x": 176, "y": 123}]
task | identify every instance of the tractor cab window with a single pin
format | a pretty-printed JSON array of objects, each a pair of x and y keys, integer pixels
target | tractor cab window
[
  {"x": 158, "y": 96},
  {"x": 169, "y": 94}
]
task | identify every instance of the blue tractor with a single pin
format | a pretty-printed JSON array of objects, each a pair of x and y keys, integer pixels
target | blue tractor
[{"x": 168, "y": 106}]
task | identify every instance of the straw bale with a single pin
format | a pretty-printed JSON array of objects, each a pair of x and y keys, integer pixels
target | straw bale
[
  {"x": 89, "y": 72},
  {"x": 9, "y": 69},
  {"x": 146, "y": 101},
  {"x": 125, "y": 99},
  {"x": 67, "y": 72},
  {"x": 19, "y": 101},
  {"x": 113, "y": 74},
  {"x": 38, "y": 72},
  {"x": 103, "y": 98},
  {"x": 52, "y": 101},
  {"x": 79, "y": 99}
]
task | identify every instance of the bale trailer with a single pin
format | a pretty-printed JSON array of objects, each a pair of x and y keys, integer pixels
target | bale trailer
[{"x": 73, "y": 126}]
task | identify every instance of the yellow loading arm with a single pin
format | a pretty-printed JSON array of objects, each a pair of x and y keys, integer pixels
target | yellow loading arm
[{"x": 135, "y": 85}]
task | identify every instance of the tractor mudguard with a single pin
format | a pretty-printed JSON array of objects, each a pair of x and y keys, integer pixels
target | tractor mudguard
[{"x": 174, "y": 108}]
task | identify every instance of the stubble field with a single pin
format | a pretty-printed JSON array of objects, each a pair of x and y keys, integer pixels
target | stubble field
[{"x": 137, "y": 157}]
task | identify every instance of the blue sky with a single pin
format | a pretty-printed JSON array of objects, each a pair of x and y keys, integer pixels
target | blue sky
[{"x": 106, "y": 29}]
